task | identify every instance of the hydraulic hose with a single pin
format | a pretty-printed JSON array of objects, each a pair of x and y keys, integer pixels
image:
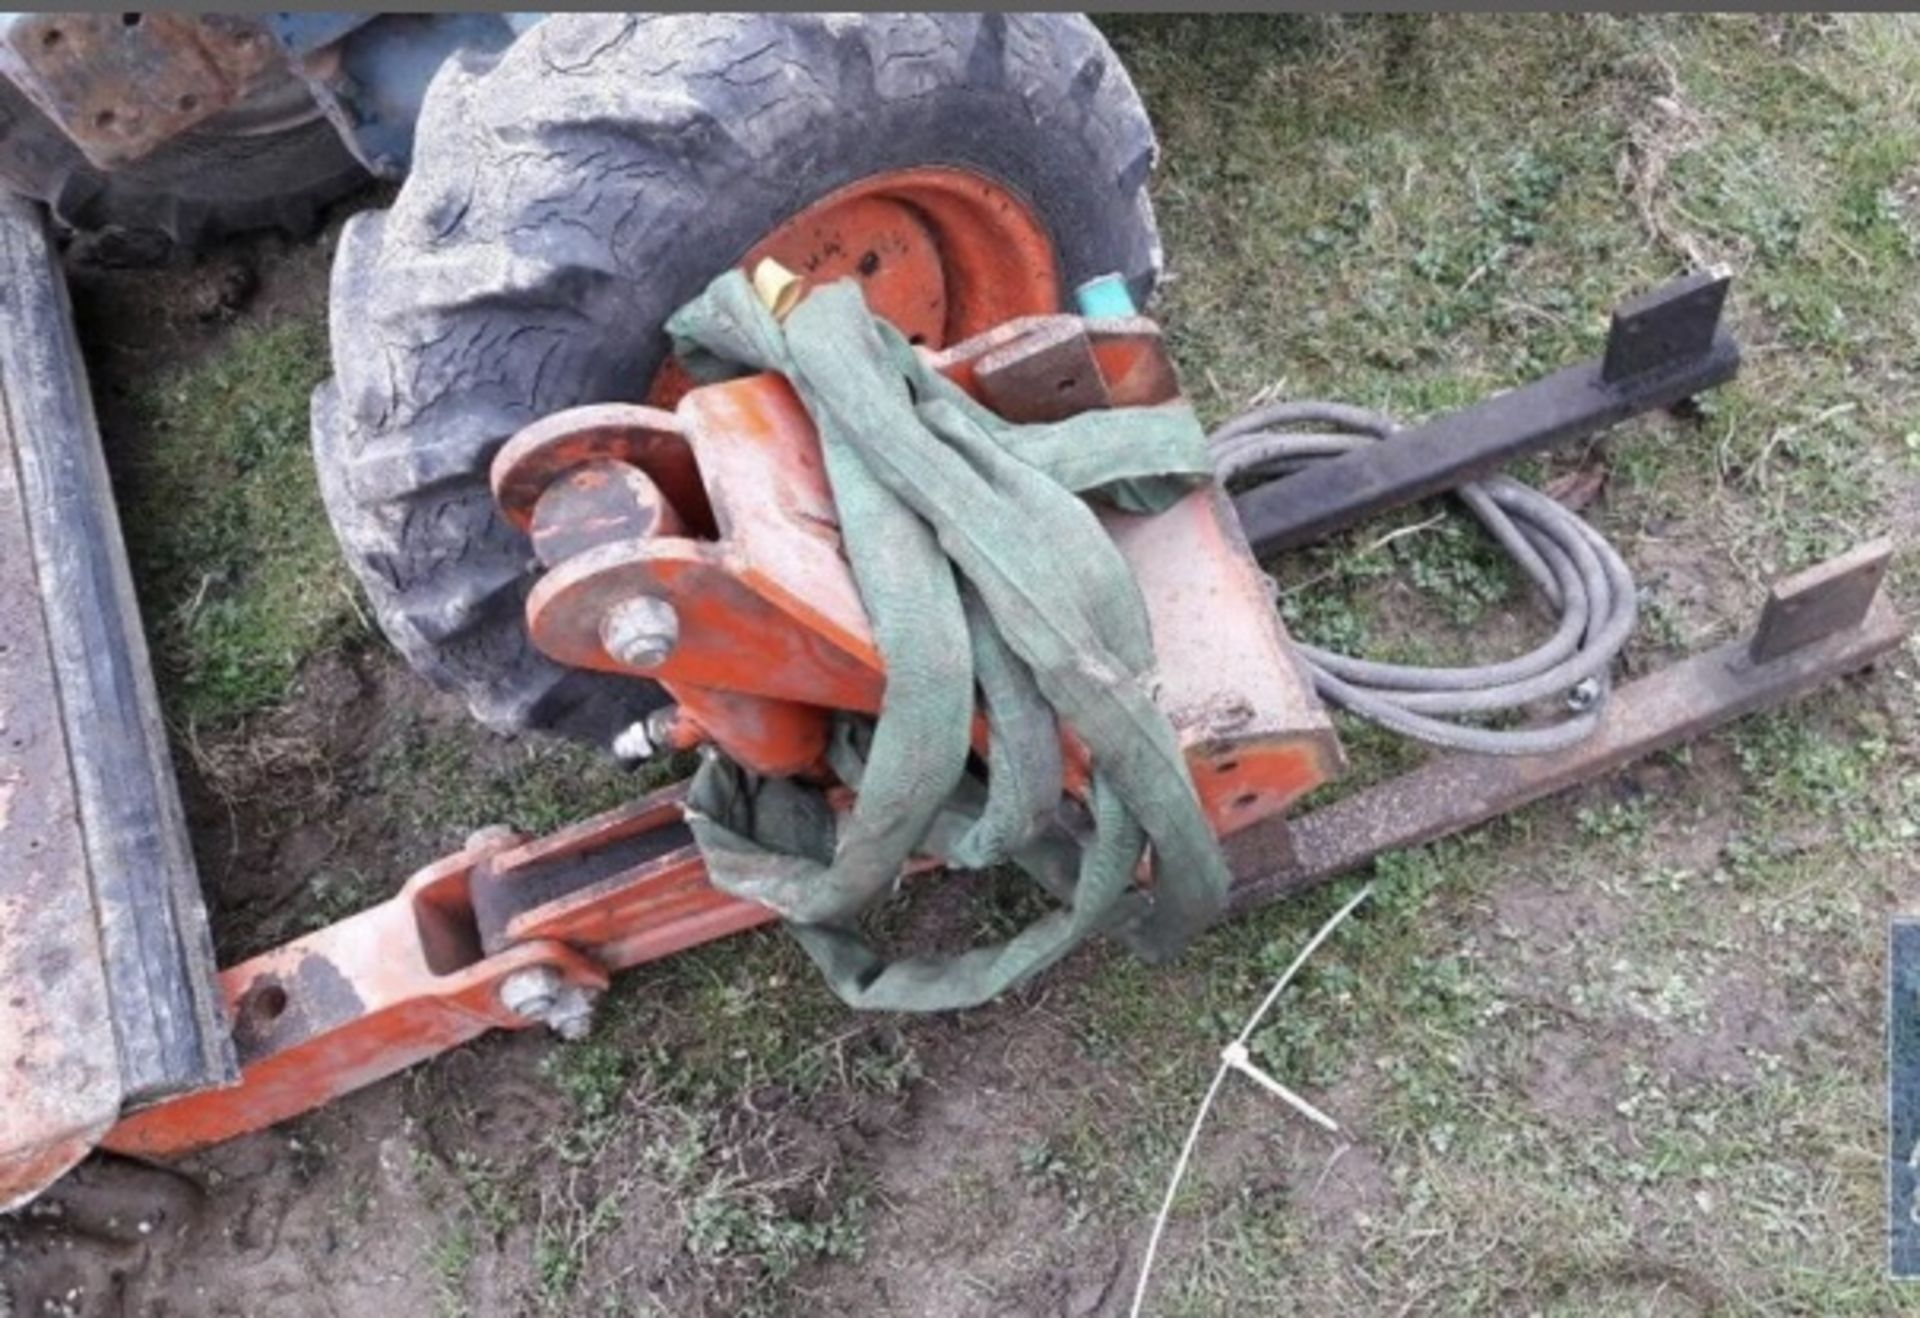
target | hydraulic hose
[{"x": 1581, "y": 576}]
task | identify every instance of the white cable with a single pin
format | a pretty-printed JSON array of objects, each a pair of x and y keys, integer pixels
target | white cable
[{"x": 1234, "y": 1057}]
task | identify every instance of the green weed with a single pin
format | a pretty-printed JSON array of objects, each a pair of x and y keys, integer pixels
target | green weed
[{"x": 239, "y": 576}]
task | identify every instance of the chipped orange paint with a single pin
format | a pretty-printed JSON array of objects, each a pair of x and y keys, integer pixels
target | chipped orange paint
[
  {"x": 941, "y": 253},
  {"x": 769, "y": 611},
  {"x": 355, "y": 1002},
  {"x": 773, "y": 638}
]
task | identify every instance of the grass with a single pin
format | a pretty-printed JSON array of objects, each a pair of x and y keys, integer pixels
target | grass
[
  {"x": 239, "y": 577},
  {"x": 441, "y": 786},
  {"x": 1745, "y": 1174},
  {"x": 1610, "y": 1054},
  {"x": 1406, "y": 213},
  {"x": 669, "y": 1126}
]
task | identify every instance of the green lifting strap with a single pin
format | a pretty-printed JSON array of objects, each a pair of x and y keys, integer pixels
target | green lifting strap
[{"x": 980, "y": 567}]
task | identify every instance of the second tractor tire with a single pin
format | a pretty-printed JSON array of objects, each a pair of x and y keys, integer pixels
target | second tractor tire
[{"x": 271, "y": 163}]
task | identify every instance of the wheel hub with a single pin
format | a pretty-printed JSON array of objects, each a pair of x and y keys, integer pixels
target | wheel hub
[{"x": 942, "y": 253}]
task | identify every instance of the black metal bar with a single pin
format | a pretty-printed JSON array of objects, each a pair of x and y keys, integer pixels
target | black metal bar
[
  {"x": 1824, "y": 599},
  {"x": 500, "y": 896},
  {"x": 1664, "y": 347},
  {"x": 168, "y": 1015},
  {"x": 1674, "y": 323},
  {"x": 1451, "y": 793}
]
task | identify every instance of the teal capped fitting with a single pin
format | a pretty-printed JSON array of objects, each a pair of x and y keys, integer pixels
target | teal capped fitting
[{"x": 1105, "y": 298}]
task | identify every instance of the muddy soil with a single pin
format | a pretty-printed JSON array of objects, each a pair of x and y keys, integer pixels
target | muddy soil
[
  {"x": 344, "y": 1213},
  {"x": 330, "y": 1214}
]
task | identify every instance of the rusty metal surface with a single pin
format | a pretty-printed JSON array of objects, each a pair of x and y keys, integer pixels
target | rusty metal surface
[
  {"x": 1455, "y": 792},
  {"x": 629, "y": 884},
  {"x": 643, "y": 437},
  {"x": 1826, "y": 598},
  {"x": 121, "y": 85},
  {"x": 59, "y": 1072},
  {"x": 411, "y": 978},
  {"x": 350, "y": 1004},
  {"x": 342, "y": 1007},
  {"x": 1048, "y": 375},
  {"x": 599, "y": 503},
  {"x": 166, "y": 1012},
  {"x": 1664, "y": 329},
  {"x": 506, "y": 887},
  {"x": 1255, "y": 735},
  {"x": 1129, "y": 353},
  {"x": 1447, "y": 451},
  {"x": 941, "y": 252},
  {"x": 767, "y": 607},
  {"x": 771, "y": 632}
]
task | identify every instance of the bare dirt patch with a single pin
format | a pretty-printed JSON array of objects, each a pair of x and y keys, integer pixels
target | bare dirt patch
[{"x": 1620, "y": 1057}]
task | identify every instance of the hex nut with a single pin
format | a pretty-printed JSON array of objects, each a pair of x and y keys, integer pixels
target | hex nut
[
  {"x": 531, "y": 992},
  {"x": 634, "y": 742},
  {"x": 642, "y": 631}
]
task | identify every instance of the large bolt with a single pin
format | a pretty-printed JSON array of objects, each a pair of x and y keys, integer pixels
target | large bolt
[
  {"x": 538, "y": 993},
  {"x": 531, "y": 992},
  {"x": 634, "y": 743},
  {"x": 571, "y": 1016},
  {"x": 659, "y": 733},
  {"x": 641, "y": 632}
]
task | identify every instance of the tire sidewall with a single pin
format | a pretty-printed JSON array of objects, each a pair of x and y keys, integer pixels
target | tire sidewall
[{"x": 573, "y": 191}]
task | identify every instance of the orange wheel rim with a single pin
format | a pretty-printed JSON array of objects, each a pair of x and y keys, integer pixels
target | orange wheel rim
[{"x": 942, "y": 253}]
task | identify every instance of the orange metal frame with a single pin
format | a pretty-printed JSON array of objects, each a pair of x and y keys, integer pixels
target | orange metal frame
[
  {"x": 941, "y": 253},
  {"x": 714, "y": 502},
  {"x": 722, "y": 507}
]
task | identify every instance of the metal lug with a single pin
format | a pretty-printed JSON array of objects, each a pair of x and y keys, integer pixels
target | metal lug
[
  {"x": 633, "y": 744},
  {"x": 531, "y": 992},
  {"x": 539, "y": 993},
  {"x": 641, "y": 632}
]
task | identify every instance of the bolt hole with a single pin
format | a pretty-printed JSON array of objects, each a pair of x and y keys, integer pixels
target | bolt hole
[
  {"x": 52, "y": 37},
  {"x": 1226, "y": 766},
  {"x": 869, "y": 265},
  {"x": 265, "y": 1003},
  {"x": 1245, "y": 799},
  {"x": 1067, "y": 383},
  {"x": 130, "y": 20},
  {"x": 105, "y": 119},
  {"x": 917, "y": 339},
  {"x": 189, "y": 103}
]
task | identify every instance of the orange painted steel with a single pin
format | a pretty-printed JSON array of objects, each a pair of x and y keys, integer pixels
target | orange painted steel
[
  {"x": 644, "y": 912},
  {"x": 723, "y": 508},
  {"x": 773, "y": 637},
  {"x": 338, "y": 1009},
  {"x": 942, "y": 253},
  {"x": 341, "y": 1008}
]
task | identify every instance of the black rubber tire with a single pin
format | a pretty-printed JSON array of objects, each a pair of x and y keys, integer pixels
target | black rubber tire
[
  {"x": 570, "y": 192},
  {"x": 209, "y": 182}
]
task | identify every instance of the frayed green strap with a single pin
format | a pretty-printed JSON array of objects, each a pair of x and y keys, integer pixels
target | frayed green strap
[{"x": 981, "y": 568}]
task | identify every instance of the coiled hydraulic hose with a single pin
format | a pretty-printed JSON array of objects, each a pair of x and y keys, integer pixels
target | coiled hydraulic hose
[{"x": 1579, "y": 573}]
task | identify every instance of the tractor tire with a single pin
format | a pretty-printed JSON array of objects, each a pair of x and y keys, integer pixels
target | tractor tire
[
  {"x": 569, "y": 193},
  {"x": 271, "y": 163}
]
